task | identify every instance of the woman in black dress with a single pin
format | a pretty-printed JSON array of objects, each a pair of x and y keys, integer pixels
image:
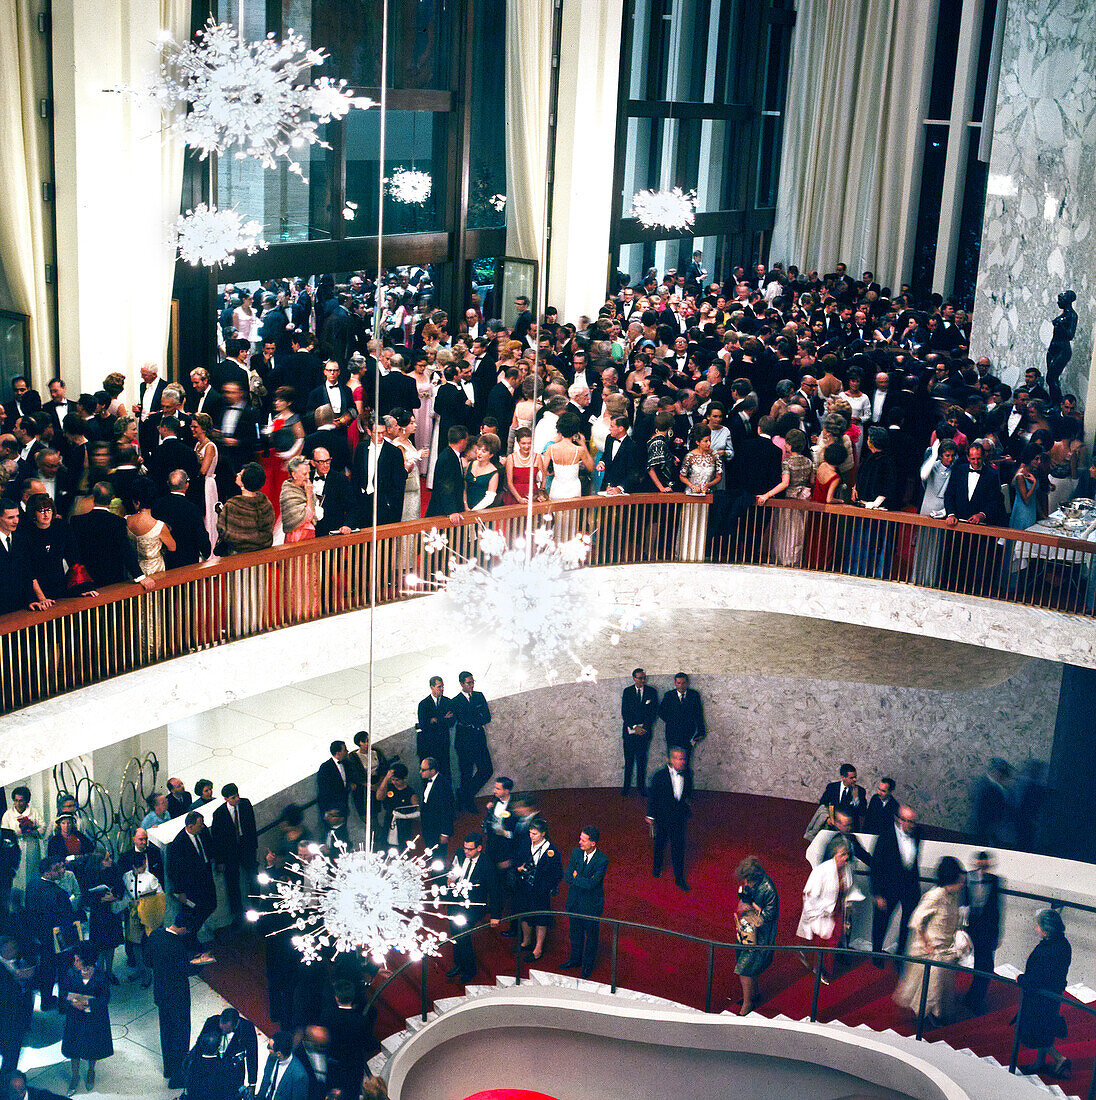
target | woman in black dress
[
  {"x": 540, "y": 876},
  {"x": 758, "y": 912},
  {"x": 85, "y": 995},
  {"x": 1041, "y": 1020},
  {"x": 105, "y": 896},
  {"x": 400, "y": 806}
]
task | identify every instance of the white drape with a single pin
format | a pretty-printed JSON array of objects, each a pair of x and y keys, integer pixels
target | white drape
[
  {"x": 852, "y": 134},
  {"x": 528, "y": 84},
  {"x": 23, "y": 218}
]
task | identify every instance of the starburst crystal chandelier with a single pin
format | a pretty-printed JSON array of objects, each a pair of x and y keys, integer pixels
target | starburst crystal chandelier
[
  {"x": 409, "y": 185},
  {"x": 528, "y": 599},
  {"x": 207, "y": 236},
  {"x": 666, "y": 209},
  {"x": 368, "y": 901},
  {"x": 226, "y": 94}
]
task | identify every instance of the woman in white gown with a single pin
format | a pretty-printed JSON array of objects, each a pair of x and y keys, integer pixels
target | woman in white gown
[
  {"x": 207, "y": 453},
  {"x": 568, "y": 455}
]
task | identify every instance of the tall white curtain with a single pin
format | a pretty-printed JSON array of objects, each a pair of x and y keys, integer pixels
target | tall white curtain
[
  {"x": 23, "y": 218},
  {"x": 528, "y": 84},
  {"x": 852, "y": 131}
]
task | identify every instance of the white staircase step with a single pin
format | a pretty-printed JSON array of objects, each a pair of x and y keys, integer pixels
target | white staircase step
[
  {"x": 990, "y": 1059},
  {"x": 478, "y": 990},
  {"x": 545, "y": 977},
  {"x": 416, "y": 1023},
  {"x": 1056, "y": 1090},
  {"x": 444, "y": 1004},
  {"x": 505, "y": 981},
  {"x": 394, "y": 1042},
  {"x": 377, "y": 1064},
  {"x": 968, "y": 1051}
]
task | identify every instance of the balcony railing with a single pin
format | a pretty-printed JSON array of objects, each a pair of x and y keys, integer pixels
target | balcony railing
[{"x": 79, "y": 642}]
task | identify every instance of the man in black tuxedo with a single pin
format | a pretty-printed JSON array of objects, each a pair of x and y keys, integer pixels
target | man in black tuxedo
[
  {"x": 203, "y": 397},
  {"x": 234, "y": 367},
  {"x": 638, "y": 711},
  {"x": 973, "y": 495},
  {"x": 471, "y": 715},
  {"x": 895, "y": 878},
  {"x": 190, "y": 868},
  {"x": 447, "y": 496},
  {"x": 235, "y": 844},
  {"x": 377, "y": 471},
  {"x": 173, "y": 454},
  {"x": 754, "y": 470},
  {"x": 882, "y": 807},
  {"x": 683, "y": 714},
  {"x": 585, "y": 878},
  {"x": 103, "y": 543},
  {"x": 238, "y": 434},
  {"x": 300, "y": 370},
  {"x": 435, "y": 721},
  {"x": 333, "y": 784},
  {"x": 438, "y": 813},
  {"x": 15, "y": 589},
  {"x": 524, "y": 319},
  {"x": 23, "y": 401},
  {"x": 334, "y": 393},
  {"x": 667, "y": 811},
  {"x": 478, "y": 871},
  {"x": 58, "y": 406},
  {"x": 185, "y": 520},
  {"x": 982, "y": 897},
  {"x": 173, "y": 959},
  {"x": 237, "y": 1045},
  {"x": 332, "y": 495},
  {"x": 620, "y": 460},
  {"x": 397, "y": 389},
  {"x": 332, "y": 439},
  {"x": 846, "y": 795},
  {"x": 503, "y": 398}
]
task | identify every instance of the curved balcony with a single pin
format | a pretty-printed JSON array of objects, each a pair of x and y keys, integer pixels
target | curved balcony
[{"x": 964, "y": 572}]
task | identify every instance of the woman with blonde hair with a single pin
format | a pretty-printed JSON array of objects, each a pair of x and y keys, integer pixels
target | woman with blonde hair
[{"x": 202, "y": 428}]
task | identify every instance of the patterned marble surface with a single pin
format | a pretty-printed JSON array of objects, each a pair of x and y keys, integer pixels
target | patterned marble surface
[{"x": 1039, "y": 236}]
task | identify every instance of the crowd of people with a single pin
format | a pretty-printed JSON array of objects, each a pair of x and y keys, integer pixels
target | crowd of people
[{"x": 772, "y": 383}]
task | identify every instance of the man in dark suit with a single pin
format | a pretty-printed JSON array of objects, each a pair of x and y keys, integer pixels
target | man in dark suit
[
  {"x": 103, "y": 543},
  {"x": 333, "y": 784},
  {"x": 471, "y": 715},
  {"x": 203, "y": 397},
  {"x": 882, "y": 807},
  {"x": 284, "y": 1076},
  {"x": 178, "y": 797},
  {"x": 973, "y": 495},
  {"x": 982, "y": 897},
  {"x": 754, "y": 470},
  {"x": 620, "y": 460},
  {"x": 173, "y": 959},
  {"x": 895, "y": 878},
  {"x": 15, "y": 589},
  {"x": 377, "y": 471},
  {"x": 173, "y": 454},
  {"x": 334, "y": 393},
  {"x": 46, "y": 907},
  {"x": 524, "y": 320},
  {"x": 668, "y": 810},
  {"x": 350, "y": 1039},
  {"x": 332, "y": 496},
  {"x": 437, "y": 814},
  {"x": 845, "y": 794},
  {"x": 333, "y": 440},
  {"x": 142, "y": 849},
  {"x": 476, "y": 870},
  {"x": 235, "y": 844},
  {"x": 638, "y": 711},
  {"x": 190, "y": 868},
  {"x": 237, "y": 1044},
  {"x": 233, "y": 368},
  {"x": 397, "y": 391},
  {"x": 23, "y": 401},
  {"x": 585, "y": 878},
  {"x": 238, "y": 433},
  {"x": 300, "y": 370},
  {"x": 683, "y": 714},
  {"x": 447, "y": 496},
  {"x": 435, "y": 721},
  {"x": 185, "y": 520},
  {"x": 502, "y": 399}
]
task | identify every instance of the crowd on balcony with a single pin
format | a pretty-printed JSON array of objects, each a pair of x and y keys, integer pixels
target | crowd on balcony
[{"x": 770, "y": 383}]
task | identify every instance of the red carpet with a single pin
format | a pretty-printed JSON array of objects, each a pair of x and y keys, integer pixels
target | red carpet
[{"x": 724, "y": 829}]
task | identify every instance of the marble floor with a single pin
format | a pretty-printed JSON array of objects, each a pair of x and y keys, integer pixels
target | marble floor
[
  {"x": 266, "y": 742},
  {"x": 134, "y": 1070}
]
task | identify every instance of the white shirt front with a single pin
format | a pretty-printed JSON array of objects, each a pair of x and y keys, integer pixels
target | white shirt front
[
  {"x": 677, "y": 781},
  {"x": 972, "y": 482},
  {"x": 334, "y": 398},
  {"x": 907, "y": 849},
  {"x": 146, "y": 399},
  {"x": 231, "y": 419},
  {"x": 877, "y": 404}
]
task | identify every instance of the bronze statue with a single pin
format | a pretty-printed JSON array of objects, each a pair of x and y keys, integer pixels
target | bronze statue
[{"x": 1059, "y": 351}]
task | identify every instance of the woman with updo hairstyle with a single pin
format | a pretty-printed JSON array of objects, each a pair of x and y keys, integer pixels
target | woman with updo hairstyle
[
  {"x": 400, "y": 806},
  {"x": 114, "y": 384},
  {"x": 796, "y": 481},
  {"x": 483, "y": 475},
  {"x": 522, "y": 469},
  {"x": 567, "y": 455},
  {"x": 149, "y": 535},
  {"x": 934, "y": 924},
  {"x": 246, "y": 521},
  {"x": 298, "y": 507},
  {"x": 758, "y": 913},
  {"x": 201, "y": 428},
  {"x": 1040, "y": 1021},
  {"x": 701, "y": 469}
]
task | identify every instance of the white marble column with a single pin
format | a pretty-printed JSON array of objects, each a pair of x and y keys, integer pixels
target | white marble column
[{"x": 1038, "y": 237}]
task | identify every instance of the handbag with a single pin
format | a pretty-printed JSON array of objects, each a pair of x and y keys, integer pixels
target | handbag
[{"x": 77, "y": 576}]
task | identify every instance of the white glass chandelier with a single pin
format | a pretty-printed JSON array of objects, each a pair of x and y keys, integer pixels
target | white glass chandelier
[
  {"x": 368, "y": 901},
  {"x": 666, "y": 209},
  {"x": 529, "y": 599},
  {"x": 226, "y": 94},
  {"x": 207, "y": 236},
  {"x": 409, "y": 185}
]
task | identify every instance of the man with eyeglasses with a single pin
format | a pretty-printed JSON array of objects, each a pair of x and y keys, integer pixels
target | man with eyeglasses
[{"x": 331, "y": 495}]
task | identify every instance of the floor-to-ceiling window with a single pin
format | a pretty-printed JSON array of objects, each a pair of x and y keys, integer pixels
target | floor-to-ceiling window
[
  {"x": 445, "y": 119},
  {"x": 701, "y": 108}
]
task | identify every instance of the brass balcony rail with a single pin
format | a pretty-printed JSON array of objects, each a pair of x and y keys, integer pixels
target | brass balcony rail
[{"x": 81, "y": 641}]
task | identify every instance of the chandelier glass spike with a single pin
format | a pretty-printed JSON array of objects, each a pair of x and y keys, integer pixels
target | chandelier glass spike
[{"x": 225, "y": 94}]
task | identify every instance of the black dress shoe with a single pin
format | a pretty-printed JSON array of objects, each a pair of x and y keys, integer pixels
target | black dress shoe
[
  {"x": 570, "y": 964},
  {"x": 682, "y": 885},
  {"x": 452, "y": 972},
  {"x": 586, "y": 975},
  {"x": 508, "y": 932}
]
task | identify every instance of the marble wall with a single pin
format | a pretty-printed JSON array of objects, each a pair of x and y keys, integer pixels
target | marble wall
[
  {"x": 1039, "y": 236},
  {"x": 786, "y": 736}
]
